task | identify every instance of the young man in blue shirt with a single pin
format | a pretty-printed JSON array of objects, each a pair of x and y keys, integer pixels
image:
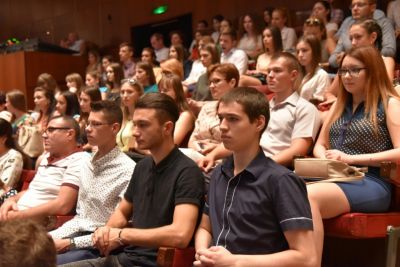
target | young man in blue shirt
[{"x": 257, "y": 213}]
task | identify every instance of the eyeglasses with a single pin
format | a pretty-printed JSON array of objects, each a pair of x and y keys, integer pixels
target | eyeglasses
[
  {"x": 313, "y": 21},
  {"x": 95, "y": 124},
  {"x": 353, "y": 72},
  {"x": 215, "y": 81},
  {"x": 130, "y": 81},
  {"x": 358, "y": 5},
  {"x": 50, "y": 130}
]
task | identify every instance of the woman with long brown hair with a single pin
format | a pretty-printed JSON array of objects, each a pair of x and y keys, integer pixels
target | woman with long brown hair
[{"x": 361, "y": 129}]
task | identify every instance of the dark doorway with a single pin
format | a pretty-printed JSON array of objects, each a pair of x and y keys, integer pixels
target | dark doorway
[{"x": 140, "y": 35}]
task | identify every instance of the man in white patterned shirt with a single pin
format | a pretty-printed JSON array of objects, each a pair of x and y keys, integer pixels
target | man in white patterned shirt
[{"x": 103, "y": 182}]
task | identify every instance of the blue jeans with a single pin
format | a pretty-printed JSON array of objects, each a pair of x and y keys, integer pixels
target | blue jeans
[{"x": 77, "y": 255}]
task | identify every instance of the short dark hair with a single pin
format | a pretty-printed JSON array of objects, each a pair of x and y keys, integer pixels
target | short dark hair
[
  {"x": 165, "y": 106},
  {"x": 253, "y": 102},
  {"x": 26, "y": 243},
  {"x": 231, "y": 33},
  {"x": 111, "y": 110},
  {"x": 292, "y": 63},
  {"x": 6, "y": 130},
  {"x": 218, "y": 17},
  {"x": 71, "y": 122},
  {"x": 129, "y": 45},
  {"x": 204, "y": 22}
]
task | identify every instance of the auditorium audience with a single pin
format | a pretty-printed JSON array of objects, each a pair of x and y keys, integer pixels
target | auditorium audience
[
  {"x": 250, "y": 36},
  {"x": 361, "y": 10},
  {"x": 273, "y": 225},
  {"x": 171, "y": 85},
  {"x": 315, "y": 80},
  {"x": 102, "y": 181},
  {"x": 131, "y": 90},
  {"x": 126, "y": 59},
  {"x": 26, "y": 243},
  {"x": 361, "y": 129},
  {"x": 176, "y": 194},
  {"x": 230, "y": 54},
  {"x": 272, "y": 43},
  {"x": 54, "y": 189},
  {"x": 145, "y": 76},
  {"x": 280, "y": 17}
]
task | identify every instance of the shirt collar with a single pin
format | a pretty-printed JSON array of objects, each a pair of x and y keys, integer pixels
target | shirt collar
[
  {"x": 291, "y": 100},
  {"x": 167, "y": 161},
  {"x": 255, "y": 168}
]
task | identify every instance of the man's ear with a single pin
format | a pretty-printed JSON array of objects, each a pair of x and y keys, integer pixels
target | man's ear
[
  {"x": 293, "y": 75},
  {"x": 260, "y": 122},
  {"x": 116, "y": 127},
  {"x": 169, "y": 127}
]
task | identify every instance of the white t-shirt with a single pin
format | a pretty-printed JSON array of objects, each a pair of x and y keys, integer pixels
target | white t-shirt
[{"x": 49, "y": 178}]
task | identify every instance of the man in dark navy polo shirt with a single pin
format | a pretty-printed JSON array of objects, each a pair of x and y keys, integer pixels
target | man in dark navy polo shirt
[
  {"x": 164, "y": 197},
  {"x": 257, "y": 212}
]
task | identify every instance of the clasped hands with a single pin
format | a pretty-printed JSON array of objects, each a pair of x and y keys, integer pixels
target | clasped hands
[
  {"x": 215, "y": 256},
  {"x": 106, "y": 239}
]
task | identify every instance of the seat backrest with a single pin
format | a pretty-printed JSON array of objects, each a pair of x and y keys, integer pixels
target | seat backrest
[
  {"x": 391, "y": 172},
  {"x": 26, "y": 178}
]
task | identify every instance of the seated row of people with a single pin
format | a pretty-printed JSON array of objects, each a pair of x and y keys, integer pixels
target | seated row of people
[{"x": 244, "y": 115}]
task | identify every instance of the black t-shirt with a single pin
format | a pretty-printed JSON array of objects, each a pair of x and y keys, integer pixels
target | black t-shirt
[
  {"x": 154, "y": 191},
  {"x": 250, "y": 211}
]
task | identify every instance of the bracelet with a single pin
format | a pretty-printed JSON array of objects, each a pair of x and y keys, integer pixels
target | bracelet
[{"x": 119, "y": 239}]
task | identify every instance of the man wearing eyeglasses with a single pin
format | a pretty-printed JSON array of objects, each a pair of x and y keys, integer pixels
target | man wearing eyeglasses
[
  {"x": 54, "y": 189},
  {"x": 103, "y": 182},
  {"x": 361, "y": 10}
]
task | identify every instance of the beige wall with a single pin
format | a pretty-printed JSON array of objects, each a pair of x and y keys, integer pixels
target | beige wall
[{"x": 90, "y": 18}]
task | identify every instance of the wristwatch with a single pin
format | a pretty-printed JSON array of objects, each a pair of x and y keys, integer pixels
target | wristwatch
[{"x": 72, "y": 244}]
